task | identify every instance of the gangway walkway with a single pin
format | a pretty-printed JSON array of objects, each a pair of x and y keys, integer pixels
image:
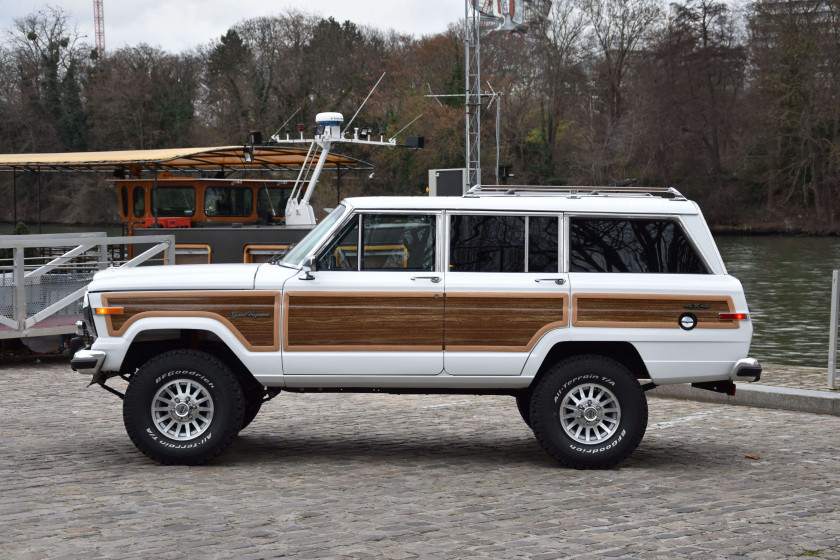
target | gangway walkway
[{"x": 43, "y": 277}]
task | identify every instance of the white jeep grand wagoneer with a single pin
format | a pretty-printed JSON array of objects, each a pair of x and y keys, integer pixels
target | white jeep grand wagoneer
[{"x": 575, "y": 301}]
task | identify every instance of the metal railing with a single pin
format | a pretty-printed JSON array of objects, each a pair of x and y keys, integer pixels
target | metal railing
[
  {"x": 832, "y": 339},
  {"x": 41, "y": 293}
]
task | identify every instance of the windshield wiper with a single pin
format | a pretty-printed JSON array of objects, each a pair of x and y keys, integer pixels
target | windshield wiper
[{"x": 277, "y": 257}]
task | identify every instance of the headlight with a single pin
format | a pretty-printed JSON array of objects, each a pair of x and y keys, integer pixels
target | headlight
[{"x": 87, "y": 315}]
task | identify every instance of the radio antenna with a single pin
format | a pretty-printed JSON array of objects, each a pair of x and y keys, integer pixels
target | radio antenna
[
  {"x": 346, "y": 128},
  {"x": 287, "y": 122},
  {"x": 406, "y": 126}
]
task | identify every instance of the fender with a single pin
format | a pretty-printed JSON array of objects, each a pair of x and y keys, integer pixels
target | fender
[{"x": 116, "y": 348}]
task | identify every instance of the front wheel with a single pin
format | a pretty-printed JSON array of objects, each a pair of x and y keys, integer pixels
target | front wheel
[
  {"x": 589, "y": 412},
  {"x": 183, "y": 407}
]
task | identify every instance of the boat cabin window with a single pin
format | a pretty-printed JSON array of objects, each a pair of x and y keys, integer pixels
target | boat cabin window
[
  {"x": 124, "y": 201},
  {"x": 175, "y": 202},
  {"x": 279, "y": 197},
  {"x": 228, "y": 201},
  {"x": 139, "y": 202}
]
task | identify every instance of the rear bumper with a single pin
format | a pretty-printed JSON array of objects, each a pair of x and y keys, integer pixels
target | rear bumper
[{"x": 746, "y": 369}]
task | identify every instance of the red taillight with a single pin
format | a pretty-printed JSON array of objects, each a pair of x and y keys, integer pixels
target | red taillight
[{"x": 733, "y": 316}]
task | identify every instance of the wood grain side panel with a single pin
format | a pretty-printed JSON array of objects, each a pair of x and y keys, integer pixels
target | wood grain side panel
[
  {"x": 654, "y": 311},
  {"x": 252, "y": 317},
  {"x": 501, "y": 322},
  {"x": 355, "y": 321}
]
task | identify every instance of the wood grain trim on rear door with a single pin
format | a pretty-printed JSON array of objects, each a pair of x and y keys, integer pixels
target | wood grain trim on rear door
[
  {"x": 649, "y": 311},
  {"x": 501, "y": 322},
  {"x": 363, "y": 321},
  {"x": 251, "y": 316}
]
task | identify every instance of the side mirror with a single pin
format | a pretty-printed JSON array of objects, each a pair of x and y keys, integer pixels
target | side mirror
[{"x": 310, "y": 265}]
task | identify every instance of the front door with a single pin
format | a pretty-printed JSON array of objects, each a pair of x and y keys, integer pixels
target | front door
[{"x": 374, "y": 305}]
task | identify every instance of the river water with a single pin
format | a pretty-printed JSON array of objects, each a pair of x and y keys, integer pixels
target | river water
[{"x": 787, "y": 281}]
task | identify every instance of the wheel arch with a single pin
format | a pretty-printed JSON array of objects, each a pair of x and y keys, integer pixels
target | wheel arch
[
  {"x": 153, "y": 342},
  {"x": 622, "y": 352}
]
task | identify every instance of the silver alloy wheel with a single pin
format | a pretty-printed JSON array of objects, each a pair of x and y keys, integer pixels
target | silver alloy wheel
[
  {"x": 182, "y": 409},
  {"x": 590, "y": 414}
]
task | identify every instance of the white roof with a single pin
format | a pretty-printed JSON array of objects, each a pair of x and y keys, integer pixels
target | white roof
[{"x": 606, "y": 204}]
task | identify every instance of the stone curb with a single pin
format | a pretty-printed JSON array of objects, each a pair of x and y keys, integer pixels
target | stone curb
[{"x": 762, "y": 396}]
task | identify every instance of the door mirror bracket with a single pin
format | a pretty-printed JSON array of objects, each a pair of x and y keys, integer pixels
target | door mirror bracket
[{"x": 309, "y": 266}]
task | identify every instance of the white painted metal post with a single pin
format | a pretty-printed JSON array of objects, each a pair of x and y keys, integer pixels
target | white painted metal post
[
  {"x": 832, "y": 344},
  {"x": 18, "y": 275},
  {"x": 103, "y": 256}
]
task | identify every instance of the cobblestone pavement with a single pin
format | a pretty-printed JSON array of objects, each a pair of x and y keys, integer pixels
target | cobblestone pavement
[
  {"x": 796, "y": 377},
  {"x": 381, "y": 476}
]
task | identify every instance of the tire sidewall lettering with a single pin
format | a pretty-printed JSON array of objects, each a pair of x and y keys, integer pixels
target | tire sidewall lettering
[
  {"x": 588, "y": 451},
  {"x": 185, "y": 372},
  {"x": 170, "y": 444}
]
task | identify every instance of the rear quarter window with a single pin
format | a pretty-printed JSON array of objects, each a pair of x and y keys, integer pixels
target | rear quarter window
[{"x": 631, "y": 245}]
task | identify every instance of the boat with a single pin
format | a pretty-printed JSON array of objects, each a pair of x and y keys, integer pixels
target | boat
[{"x": 210, "y": 198}]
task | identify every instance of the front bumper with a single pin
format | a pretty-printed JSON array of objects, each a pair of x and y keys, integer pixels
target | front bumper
[
  {"x": 746, "y": 369},
  {"x": 88, "y": 361}
]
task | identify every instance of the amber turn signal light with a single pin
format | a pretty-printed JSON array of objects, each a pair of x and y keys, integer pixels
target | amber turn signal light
[{"x": 109, "y": 310}]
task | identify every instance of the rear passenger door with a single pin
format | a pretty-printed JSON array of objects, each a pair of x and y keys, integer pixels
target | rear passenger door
[{"x": 505, "y": 287}]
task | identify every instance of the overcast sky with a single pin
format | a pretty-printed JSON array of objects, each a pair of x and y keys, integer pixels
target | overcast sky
[{"x": 177, "y": 25}]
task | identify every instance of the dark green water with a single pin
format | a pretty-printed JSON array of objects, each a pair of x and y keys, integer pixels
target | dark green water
[{"x": 787, "y": 281}]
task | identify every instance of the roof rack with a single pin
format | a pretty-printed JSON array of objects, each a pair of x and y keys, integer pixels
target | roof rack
[{"x": 573, "y": 192}]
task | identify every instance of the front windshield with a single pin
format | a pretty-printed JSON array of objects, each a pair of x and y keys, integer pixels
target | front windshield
[{"x": 297, "y": 254}]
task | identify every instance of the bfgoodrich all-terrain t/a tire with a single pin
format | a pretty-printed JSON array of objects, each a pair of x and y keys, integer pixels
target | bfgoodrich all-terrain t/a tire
[
  {"x": 183, "y": 407},
  {"x": 589, "y": 412}
]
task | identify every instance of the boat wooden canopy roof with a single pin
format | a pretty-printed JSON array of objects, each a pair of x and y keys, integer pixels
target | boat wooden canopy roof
[{"x": 272, "y": 158}]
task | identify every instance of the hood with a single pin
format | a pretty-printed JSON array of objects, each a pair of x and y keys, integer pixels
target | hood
[{"x": 178, "y": 277}]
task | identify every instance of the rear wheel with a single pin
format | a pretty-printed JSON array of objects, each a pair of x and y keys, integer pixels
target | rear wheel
[
  {"x": 589, "y": 412},
  {"x": 183, "y": 407}
]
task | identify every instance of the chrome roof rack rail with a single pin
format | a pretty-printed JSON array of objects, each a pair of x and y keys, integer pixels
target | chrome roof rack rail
[{"x": 572, "y": 192}]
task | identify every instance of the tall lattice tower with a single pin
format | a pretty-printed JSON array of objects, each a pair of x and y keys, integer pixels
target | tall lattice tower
[
  {"x": 513, "y": 16},
  {"x": 99, "y": 25}
]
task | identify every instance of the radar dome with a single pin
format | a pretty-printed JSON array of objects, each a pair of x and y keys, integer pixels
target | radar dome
[{"x": 329, "y": 119}]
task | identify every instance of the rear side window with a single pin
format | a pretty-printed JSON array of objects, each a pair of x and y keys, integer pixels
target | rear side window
[
  {"x": 487, "y": 244},
  {"x": 495, "y": 243},
  {"x": 625, "y": 245}
]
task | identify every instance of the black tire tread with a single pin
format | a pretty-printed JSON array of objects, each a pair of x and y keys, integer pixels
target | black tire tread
[
  {"x": 540, "y": 399},
  {"x": 193, "y": 357}
]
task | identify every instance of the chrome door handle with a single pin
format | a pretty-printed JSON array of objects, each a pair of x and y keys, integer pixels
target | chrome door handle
[
  {"x": 558, "y": 281},
  {"x": 434, "y": 279}
]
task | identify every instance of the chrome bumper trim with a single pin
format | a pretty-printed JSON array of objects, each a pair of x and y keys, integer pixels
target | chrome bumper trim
[
  {"x": 88, "y": 361},
  {"x": 745, "y": 369}
]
